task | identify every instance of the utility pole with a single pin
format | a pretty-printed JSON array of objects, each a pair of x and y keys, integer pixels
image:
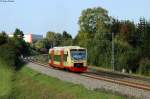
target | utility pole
[{"x": 113, "y": 56}]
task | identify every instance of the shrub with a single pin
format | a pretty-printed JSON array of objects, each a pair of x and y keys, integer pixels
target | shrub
[
  {"x": 121, "y": 54},
  {"x": 9, "y": 54},
  {"x": 3, "y": 38},
  {"x": 99, "y": 53},
  {"x": 144, "y": 68},
  {"x": 126, "y": 56}
]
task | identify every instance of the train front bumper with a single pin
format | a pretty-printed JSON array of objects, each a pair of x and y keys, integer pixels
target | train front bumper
[{"x": 78, "y": 69}]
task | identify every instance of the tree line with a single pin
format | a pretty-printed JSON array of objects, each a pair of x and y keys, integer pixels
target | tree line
[
  {"x": 52, "y": 39},
  {"x": 98, "y": 31}
]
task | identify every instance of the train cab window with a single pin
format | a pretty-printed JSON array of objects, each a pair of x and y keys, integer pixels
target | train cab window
[{"x": 78, "y": 54}]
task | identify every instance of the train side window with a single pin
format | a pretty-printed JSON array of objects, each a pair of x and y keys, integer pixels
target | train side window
[{"x": 57, "y": 58}]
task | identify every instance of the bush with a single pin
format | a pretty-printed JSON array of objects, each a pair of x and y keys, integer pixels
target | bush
[
  {"x": 126, "y": 57},
  {"x": 121, "y": 54},
  {"x": 99, "y": 53},
  {"x": 3, "y": 38},
  {"x": 22, "y": 47},
  {"x": 9, "y": 54},
  {"x": 144, "y": 68}
]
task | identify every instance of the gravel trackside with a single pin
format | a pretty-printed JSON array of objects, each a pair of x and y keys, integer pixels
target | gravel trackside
[{"x": 90, "y": 83}]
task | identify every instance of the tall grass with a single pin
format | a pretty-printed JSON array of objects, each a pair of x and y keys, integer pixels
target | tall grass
[
  {"x": 31, "y": 84},
  {"x": 5, "y": 79}
]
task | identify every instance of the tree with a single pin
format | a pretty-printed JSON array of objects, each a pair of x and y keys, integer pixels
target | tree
[
  {"x": 145, "y": 43},
  {"x": 91, "y": 19},
  {"x": 115, "y": 27},
  {"x": 20, "y": 44},
  {"x": 3, "y": 37},
  {"x": 145, "y": 66},
  {"x": 81, "y": 39},
  {"x": 40, "y": 44},
  {"x": 94, "y": 34},
  {"x": 58, "y": 39},
  {"x": 50, "y": 36},
  {"x": 67, "y": 38},
  {"x": 66, "y": 35},
  {"x": 18, "y": 34},
  {"x": 127, "y": 30}
]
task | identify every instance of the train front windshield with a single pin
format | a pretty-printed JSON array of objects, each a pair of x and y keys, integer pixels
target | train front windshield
[{"x": 78, "y": 54}]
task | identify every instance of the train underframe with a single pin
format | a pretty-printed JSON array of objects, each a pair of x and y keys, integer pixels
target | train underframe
[{"x": 70, "y": 68}]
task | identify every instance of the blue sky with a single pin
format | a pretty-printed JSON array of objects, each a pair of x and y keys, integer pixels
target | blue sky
[{"x": 40, "y": 16}]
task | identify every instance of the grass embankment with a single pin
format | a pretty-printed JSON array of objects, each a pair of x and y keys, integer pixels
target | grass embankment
[
  {"x": 29, "y": 84},
  {"x": 5, "y": 79}
]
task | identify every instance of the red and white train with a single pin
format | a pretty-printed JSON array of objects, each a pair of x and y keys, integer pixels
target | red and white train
[{"x": 72, "y": 58}]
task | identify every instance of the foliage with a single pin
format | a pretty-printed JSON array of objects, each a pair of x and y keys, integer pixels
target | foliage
[
  {"x": 66, "y": 39},
  {"x": 10, "y": 55},
  {"x": 126, "y": 57},
  {"x": 13, "y": 48},
  {"x": 100, "y": 55},
  {"x": 131, "y": 41},
  {"x": 145, "y": 40},
  {"x": 54, "y": 39},
  {"x": 50, "y": 36},
  {"x": 66, "y": 35},
  {"x": 144, "y": 68},
  {"x": 18, "y": 34},
  {"x": 23, "y": 47},
  {"x": 94, "y": 34},
  {"x": 3, "y": 37},
  {"x": 91, "y": 19},
  {"x": 20, "y": 44},
  {"x": 40, "y": 44},
  {"x": 58, "y": 39},
  {"x": 81, "y": 39}
]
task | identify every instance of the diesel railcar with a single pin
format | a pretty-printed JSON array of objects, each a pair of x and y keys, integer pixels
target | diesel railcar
[{"x": 72, "y": 58}]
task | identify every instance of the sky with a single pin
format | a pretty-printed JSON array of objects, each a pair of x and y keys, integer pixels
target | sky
[{"x": 41, "y": 16}]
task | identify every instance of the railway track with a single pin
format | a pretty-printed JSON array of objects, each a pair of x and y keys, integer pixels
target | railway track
[
  {"x": 107, "y": 78},
  {"x": 117, "y": 81}
]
